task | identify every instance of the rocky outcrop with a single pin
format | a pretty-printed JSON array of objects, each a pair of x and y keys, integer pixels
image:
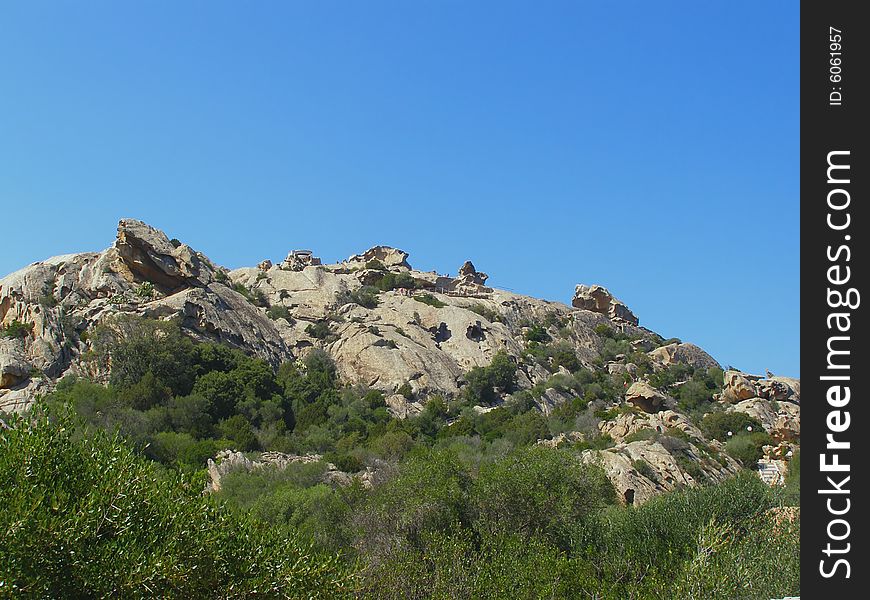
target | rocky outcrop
[
  {"x": 146, "y": 254},
  {"x": 297, "y": 260},
  {"x": 385, "y": 255},
  {"x": 629, "y": 423},
  {"x": 646, "y": 397},
  {"x": 640, "y": 470},
  {"x": 14, "y": 367},
  {"x": 230, "y": 461},
  {"x": 598, "y": 299},
  {"x": 679, "y": 352},
  {"x": 743, "y": 386},
  {"x": 782, "y": 420}
]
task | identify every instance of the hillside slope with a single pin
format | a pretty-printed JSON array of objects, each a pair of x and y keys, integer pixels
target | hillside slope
[{"x": 407, "y": 333}]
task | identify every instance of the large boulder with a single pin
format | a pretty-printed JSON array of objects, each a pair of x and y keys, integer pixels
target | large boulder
[
  {"x": 598, "y": 299},
  {"x": 14, "y": 366},
  {"x": 146, "y": 254},
  {"x": 782, "y": 420},
  {"x": 646, "y": 397},
  {"x": 685, "y": 353},
  {"x": 386, "y": 255},
  {"x": 739, "y": 386}
]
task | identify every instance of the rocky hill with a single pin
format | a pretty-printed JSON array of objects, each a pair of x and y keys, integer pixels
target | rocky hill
[{"x": 408, "y": 333}]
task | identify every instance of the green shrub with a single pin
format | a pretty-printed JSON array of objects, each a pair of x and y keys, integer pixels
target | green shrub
[
  {"x": 392, "y": 281},
  {"x": 538, "y": 491},
  {"x": 145, "y": 290},
  {"x": 536, "y": 333},
  {"x": 17, "y": 329},
  {"x": 645, "y": 469},
  {"x": 746, "y": 448},
  {"x": 279, "y": 312},
  {"x": 430, "y": 300},
  {"x": 86, "y": 517},
  {"x": 487, "y": 313},
  {"x": 717, "y": 425},
  {"x": 366, "y": 296},
  {"x": 319, "y": 330}
]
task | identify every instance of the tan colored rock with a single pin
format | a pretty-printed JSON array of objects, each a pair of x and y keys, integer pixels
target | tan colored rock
[
  {"x": 148, "y": 255},
  {"x": 628, "y": 423},
  {"x": 782, "y": 420},
  {"x": 643, "y": 395},
  {"x": 14, "y": 366},
  {"x": 297, "y": 260},
  {"x": 265, "y": 265},
  {"x": 387, "y": 256},
  {"x": 598, "y": 299},
  {"x": 685, "y": 353},
  {"x": 738, "y": 386}
]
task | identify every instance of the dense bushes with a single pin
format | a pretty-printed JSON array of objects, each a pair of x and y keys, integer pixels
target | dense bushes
[
  {"x": 482, "y": 382},
  {"x": 86, "y": 517}
]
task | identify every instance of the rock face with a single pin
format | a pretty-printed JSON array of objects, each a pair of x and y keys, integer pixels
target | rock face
[
  {"x": 387, "y": 256},
  {"x": 598, "y": 299},
  {"x": 640, "y": 470},
  {"x": 297, "y": 260},
  {"x": 689, "y": 354},
  {"x": 782, "y": 420},
  {"x": 146, "y": 254},
  {"x": 742, "y": 386},
  {"x": 646, "y": 397}
]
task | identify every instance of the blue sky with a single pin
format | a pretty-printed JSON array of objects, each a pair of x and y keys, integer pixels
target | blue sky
[{"x": 648, "y": 147}]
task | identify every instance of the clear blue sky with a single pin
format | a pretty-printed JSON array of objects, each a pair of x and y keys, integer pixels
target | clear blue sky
[{"x": 651, "y": 147}]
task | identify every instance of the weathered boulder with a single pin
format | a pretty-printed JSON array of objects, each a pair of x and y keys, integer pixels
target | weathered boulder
[
  {"x": 685, "y": 353},
  {"x": 598, "y": 299},
  {"x": 146, "y": 254},
  {"x": 14, "y": 366},
  {"x": 782, "y": 389},
  {"x": 297, "y": 260},
  {"x": 782, "y": 420},
  {"x": 628, "y": 423},
  {"x": 645, "y": 396},
  {"x": 739, "y": 386},
  {"x": 387, "y": 256},
  {"x": 469, "y": 275}
]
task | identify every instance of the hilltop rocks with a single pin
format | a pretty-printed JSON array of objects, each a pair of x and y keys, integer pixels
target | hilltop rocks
[
  {"x": 387, "y": 256},
  {"x": 688, "y": 354},
  {"x": 742, "y": 386},
  {"x": 739, "y": 386},
  {"x": 297, "y": 260},
  {"x": 646, "y": 397},
  {"x": 598, "y": 299},
  {"x": 148, "y": 255}
]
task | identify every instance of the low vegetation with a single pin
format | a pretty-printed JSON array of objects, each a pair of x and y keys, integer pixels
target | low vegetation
[{"x": 101, "y": 487}]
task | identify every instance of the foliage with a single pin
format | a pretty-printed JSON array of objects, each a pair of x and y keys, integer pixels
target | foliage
[
  {"x": 392, "y": 281},
  {"x": 279, "y": 311},
  {"x": 487, "y": 313},
  {"x": 430, "y": 300},
  {"x": 366, "y": 296},
  {"x": 717, "y": 425},
  {"x": 482, "y": 382},
  {"x": 17, "y": 329},
  {"x": 319, "y": 330},
  {"x": 86, "y": 517},
  {"x": 747, "y": 447}
]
